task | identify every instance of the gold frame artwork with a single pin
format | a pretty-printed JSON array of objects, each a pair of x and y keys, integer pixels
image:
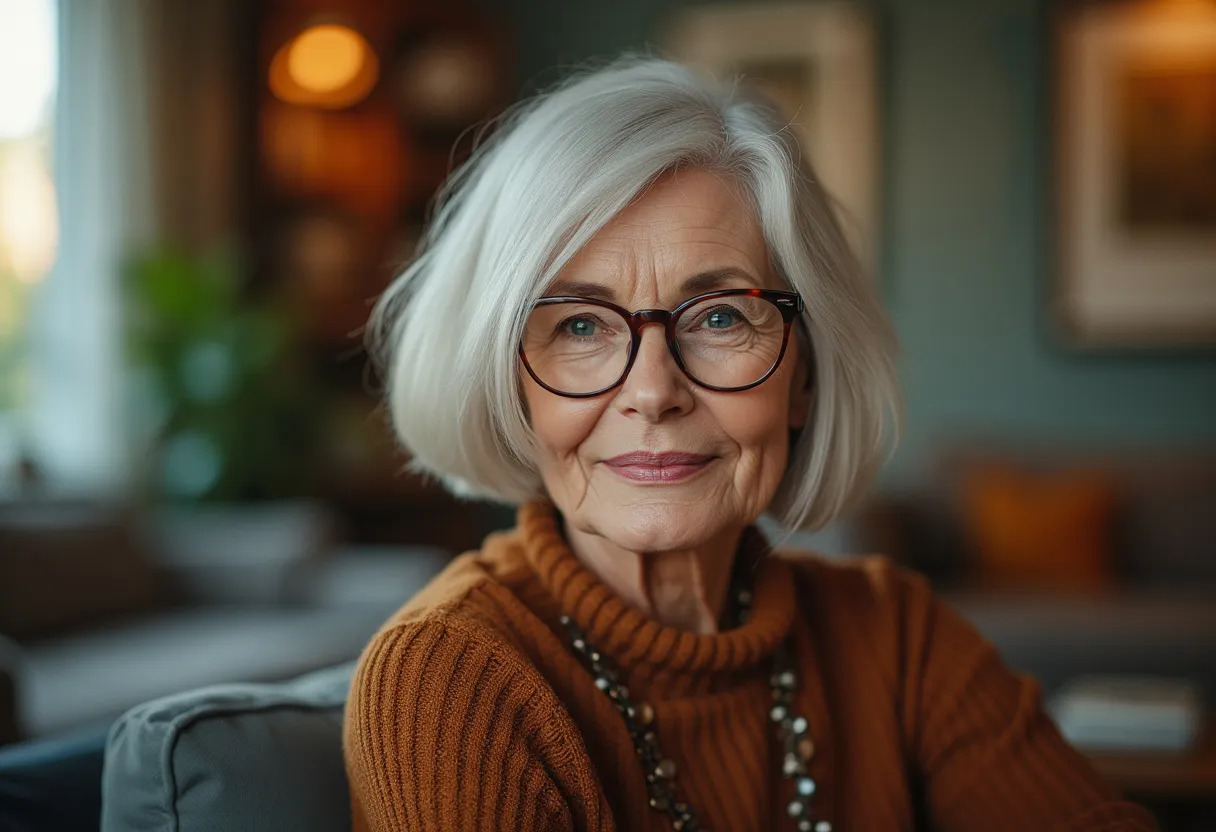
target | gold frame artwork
[
  {"x": 1136, "y": 176},
  {"x": 818, "y": 63}
]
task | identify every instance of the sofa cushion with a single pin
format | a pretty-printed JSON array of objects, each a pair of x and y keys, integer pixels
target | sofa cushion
[{"x": 233, "y": 757}]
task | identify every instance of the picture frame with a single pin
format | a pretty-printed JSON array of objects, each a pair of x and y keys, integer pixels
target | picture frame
[
  {"x": 1135, "y": 128},
  {"x": 818, "y": 63}
]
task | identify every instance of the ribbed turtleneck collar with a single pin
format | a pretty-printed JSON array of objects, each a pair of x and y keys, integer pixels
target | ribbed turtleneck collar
[{"x": 679, "y": 660}]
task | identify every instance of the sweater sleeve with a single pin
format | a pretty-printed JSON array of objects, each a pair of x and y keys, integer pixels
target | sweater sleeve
[
  {"x": 988, "y": 754},
  {"x": 441, "y": 732}
]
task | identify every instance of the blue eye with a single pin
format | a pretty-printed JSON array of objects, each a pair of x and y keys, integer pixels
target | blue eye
[
  {"x": 721, "y": 318},
  {"x": 580, "y": 327}
]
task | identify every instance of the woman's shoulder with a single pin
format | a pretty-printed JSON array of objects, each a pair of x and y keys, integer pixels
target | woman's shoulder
[
  {"x": 859, "y": 585},
  {"x": 443, "y": 694},
  {"x": 876, "y": 612},
  {"x": 452, "y": 653},
  {"x": 438, "y": 655},
  {"x": 881, "y": 616},
  {"x": 472, "y": 600}
]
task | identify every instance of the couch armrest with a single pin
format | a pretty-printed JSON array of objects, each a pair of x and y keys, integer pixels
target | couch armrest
[{"x": 257, "y": 756}]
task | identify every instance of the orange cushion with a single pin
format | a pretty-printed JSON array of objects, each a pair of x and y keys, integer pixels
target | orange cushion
[{"x": 1041, "y": 531}]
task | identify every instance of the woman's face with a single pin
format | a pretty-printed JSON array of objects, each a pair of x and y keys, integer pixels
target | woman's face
[{"x": 688, "y": 223}]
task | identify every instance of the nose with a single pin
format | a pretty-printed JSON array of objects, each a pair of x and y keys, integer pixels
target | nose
[{"x": 655, "y": 388}]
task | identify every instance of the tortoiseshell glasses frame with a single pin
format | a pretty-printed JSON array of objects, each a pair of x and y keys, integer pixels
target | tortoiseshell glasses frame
[{"x": 788, "y": 303}]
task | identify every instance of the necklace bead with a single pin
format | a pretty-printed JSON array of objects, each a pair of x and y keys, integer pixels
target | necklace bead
[{"x": 660, "y": 771}]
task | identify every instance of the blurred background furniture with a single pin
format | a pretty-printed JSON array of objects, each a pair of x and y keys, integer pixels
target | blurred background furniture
[
  {"x": 105, "y": 608},
  {"x": 1076, "y": 562},
  {"x": 1072, "y": 562}
]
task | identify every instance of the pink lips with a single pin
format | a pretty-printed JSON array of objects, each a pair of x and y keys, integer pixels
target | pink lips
[{"x": 671, "y": 466}]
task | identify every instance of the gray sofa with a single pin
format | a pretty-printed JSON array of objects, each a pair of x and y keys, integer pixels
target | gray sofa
[
  {"x": 161, "y": 602},
  {"x": 234, "y": 757}
]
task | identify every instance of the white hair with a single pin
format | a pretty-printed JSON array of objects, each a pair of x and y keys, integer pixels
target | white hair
[{"x": 558, "y": 168}]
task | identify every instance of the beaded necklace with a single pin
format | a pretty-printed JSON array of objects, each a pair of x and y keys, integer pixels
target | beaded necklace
[{"x": 792, "y": 730}]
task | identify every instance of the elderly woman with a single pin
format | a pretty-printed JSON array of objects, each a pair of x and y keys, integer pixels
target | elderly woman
[{"x": 635, "y": 316}]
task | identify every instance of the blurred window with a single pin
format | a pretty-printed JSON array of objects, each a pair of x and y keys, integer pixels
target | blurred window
[{"x": 29, "y": 223}]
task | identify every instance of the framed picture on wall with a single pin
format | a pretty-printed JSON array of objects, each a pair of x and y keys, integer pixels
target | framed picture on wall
[
  {"x": 817, "y": 63},
  {"x": 1136, "y": 175}
]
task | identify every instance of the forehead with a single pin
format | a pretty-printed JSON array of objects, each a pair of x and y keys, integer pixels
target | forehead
[{"x": 692, "y": 230}]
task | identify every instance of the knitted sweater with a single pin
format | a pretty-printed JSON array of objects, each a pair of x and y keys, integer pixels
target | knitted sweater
[{"x": 470, "y": 711}]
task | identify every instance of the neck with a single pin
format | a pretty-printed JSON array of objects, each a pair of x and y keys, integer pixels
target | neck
[{"x": 684, "y": 588}]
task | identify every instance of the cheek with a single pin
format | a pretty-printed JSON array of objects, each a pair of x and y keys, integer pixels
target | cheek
[
  {"x": 757, "y": 423},
  {"x": 559, "y": 424}
]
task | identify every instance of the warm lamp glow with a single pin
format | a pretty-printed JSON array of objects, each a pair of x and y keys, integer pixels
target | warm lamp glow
[
  {"x": 326, "y": 65},
  {"x": 326, "y": 58},
  {"x": 1179, "y": 9}
]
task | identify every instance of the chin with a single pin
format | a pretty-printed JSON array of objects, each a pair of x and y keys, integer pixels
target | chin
[{"x": 660, "y": 525}]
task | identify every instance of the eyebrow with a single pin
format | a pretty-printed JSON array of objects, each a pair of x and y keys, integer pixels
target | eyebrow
[{"x": 706, "y": 281}]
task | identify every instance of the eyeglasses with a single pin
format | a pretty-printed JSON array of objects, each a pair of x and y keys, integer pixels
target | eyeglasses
[{"x": 727, "y": 341}]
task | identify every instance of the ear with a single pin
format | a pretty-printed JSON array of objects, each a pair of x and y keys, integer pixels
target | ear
[{"x": 802, "y": 386}]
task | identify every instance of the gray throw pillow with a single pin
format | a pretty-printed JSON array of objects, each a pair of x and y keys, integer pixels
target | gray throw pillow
[{"x": 233, "y": 757}]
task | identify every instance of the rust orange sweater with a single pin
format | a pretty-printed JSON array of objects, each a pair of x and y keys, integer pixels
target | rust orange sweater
[{"x": 469, "y": 710}]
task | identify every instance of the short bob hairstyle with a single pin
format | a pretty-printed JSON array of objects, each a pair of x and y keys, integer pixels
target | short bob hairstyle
[{"x": 558, "y": 168}]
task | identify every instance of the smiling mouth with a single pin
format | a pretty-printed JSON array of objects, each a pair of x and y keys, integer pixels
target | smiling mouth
[{"x": 669, "y": 467}]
